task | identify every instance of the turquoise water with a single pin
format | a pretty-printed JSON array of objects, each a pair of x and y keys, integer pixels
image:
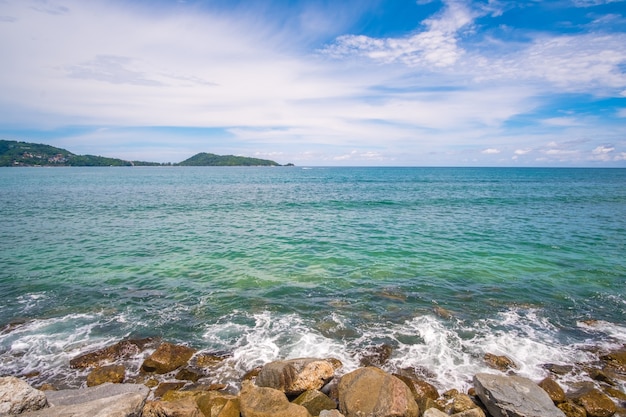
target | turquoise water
[{"x": 268, "y": 263}]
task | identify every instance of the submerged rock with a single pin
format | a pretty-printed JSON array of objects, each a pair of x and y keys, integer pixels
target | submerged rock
[
  {"x": 16, "y": 396},
  {"x": 167, "y": 357},
  {"x": 295, "y": 376},
  {"x": 375, "y": 393},
  {"x": 514, "y": 396},
  {"x": 376, "y": 355}
]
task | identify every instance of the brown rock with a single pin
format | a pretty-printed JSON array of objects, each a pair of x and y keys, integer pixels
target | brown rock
[
  {"x": 572, "y": 410},
  {"x": 207, "y": 360},
  {"x": 461, "y": 403},
  {"x": 189, "y": 374},
  {"x": 554, "y": 390},
  {"x": 600, "y": 375},
  {"x": 419, "y": 388},
  {"x": 267, "y": 402},
  {"x": 315, "y": 401},
  {"x": 434, "y": 412},
  {"x": 295, "y": 376},
  {"x": 473, "y": 412},
  {"x": 595, "y": 403},
  {"x": 114, "y": 353},
  {"x": 558, "y": 369},
  {"x": 442, "y": 312},
  {"x": 164, "y": 387},
  {"x": 613, "y": 392},
  {"x": 252, "y": 374},
  {"x": 375, "y": 393},
  {"x": 501, "y": 363},
  {"x": 215, "y": 404},
  {"x": 181, "y": 408},
  {"x": 47, "y": 387},
  {"x": 617, "y": 358},
  {"x": 110, "y": 373},
  {"x": 376, "y": 355},
  {"x": 167, "y": 357}
]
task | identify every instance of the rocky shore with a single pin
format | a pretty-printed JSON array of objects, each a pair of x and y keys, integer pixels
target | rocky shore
[{"x": 178, "y": 381}]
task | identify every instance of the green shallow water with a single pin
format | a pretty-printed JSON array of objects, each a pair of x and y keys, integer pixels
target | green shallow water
[{"x": 297, "y": 259}]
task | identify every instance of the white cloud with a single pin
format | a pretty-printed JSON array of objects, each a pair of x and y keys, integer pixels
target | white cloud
[
  {"x": 491, "y": 151},
  {"x": 602, "y": 153},
  {"x": 522, "y": 151}
]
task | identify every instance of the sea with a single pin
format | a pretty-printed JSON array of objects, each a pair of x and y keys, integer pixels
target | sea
[{"x": 442, "y": 265}]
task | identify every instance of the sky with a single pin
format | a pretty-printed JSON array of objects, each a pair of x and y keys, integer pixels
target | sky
[{"x": 320, "y": 82}]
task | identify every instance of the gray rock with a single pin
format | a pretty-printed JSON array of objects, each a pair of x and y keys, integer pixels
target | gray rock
[
  {"x": 514, "y": 396},
  {"x": 106, "y": 400},
  {"x": 433, "y": 412},
  {"x": 16, "y": 396},
  {"x": 331, "y": 413}
]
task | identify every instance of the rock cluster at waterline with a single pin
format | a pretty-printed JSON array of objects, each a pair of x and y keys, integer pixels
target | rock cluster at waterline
[{"x": 171, "y": 383}]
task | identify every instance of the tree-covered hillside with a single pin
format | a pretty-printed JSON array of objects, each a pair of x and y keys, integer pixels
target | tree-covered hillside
[
  {"x": 209, "y": 159},
  {"x": 13, "y": 153}
]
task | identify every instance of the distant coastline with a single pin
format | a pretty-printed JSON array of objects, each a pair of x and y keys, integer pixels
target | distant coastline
[{"x": 25, "y": 154}]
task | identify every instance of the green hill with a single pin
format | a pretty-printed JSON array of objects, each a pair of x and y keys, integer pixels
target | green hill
[
  {"x": 209, "y": 159},
  {"x": 13, "y": 153},
  {"x": 24, "y": 154}
]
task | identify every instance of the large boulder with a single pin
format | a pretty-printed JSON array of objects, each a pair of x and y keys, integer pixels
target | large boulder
[
  {"x": 217, "y": 404},
  {"x": 121, "y": 350},
  {"x": 595, "y": 403},
  {"x": 514, "y": 396},
  {"x": 16, "y": 396},
  {"x": 110, "y": 373},
  {"x": 267, "y": 402},
  {"x": 295, "y": 376},
  {"x": 553, "y": 389},
  {"x": 106, "y": 400},
  {"x": 167, "y": 357},
  {"x": 375, "y": 393},
  {"x": 185, "y": 407}
]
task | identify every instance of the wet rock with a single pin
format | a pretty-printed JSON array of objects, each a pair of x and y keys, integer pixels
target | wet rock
[
  {"x": 164, "y": 387},
  {"x": 295, "y": 376},
  {"x": 424, "y": 393},
  {"x": 616, "y": 358},
  {"x": 16, "y": 396},
  {"x": 601, "y": 376},
  {"x": 572, "y": 410},
  {"x": 252, "y": 374},
  {"x": 114, "y": 353},
  {"x": 215, "y": 404},
  {"x": 315, "y": 401},
  {"x": 376, "y": 355},
  {"x": 189, "y": 374},
  {"x": 208, "y": 360},
  {"x": 167, "y": 357},
  {"x": 375, "y": 393},
  {"x": 558, "y": 369},
  {"x": 595, "y": 403},
  {"x": 501, "y": 363},
  {"x": 106, "y": 400},
  {"x": 513, "y": 396},
  {"x": 554, "y": 390},
  {"x": 181, "y": 408},
  {"x": 615, "y": 393},
  {"x": 442, "y": 312},
  {"x": 111, "y": 373},
  {"x": 453, "y": 402},
  {"x": 264, "y": 402}
]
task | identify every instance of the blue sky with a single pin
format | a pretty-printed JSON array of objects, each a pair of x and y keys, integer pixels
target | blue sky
[{"x": 367, "y": 82}]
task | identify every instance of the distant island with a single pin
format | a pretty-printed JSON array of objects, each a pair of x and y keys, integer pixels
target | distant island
[{"x": 24, "y": 154}]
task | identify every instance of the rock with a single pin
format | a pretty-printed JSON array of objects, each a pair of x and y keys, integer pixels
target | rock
[
  {"x": 114, "y": 353},
  {"x": 267, "y": 402},
  {"x": 461, "y": 403},
  {"x": 189, "y": 374},
  {"x": 165, "y": 387},
  {"x": 613, "y": 392},
  {"x": 215, "y": 404},
  {"x": 375, "y": 393},
  {"x": 554, "y": 390},
  {"x": 572, "y": 410},
  {"x": 434, "y": 412},
  {"x": 315, "y": 401},
  {"x": 595, "y": 403},
  {"x": 424, "y": 393},
  {"x": 181, "y": 408},
  {"x": 111, "y": 373},
  {"x": 558, "y": 369},
  {"x": 106, "y": 400},
  {"x": 442, "y": 312},
  {"x": 376, "y": 355},
  {"x": 600, "y": 375},
  {"x": 616, "y": 358},
  {"x": 16, "y": 396},
  {"x": 501, "y": 363},
  {"x": 513, "y": 396},
  {"x": 167, "y": 357},
  {"x": 295, "y": 376},
  {"x": 473, "y": 412},
  {"x": 207, "y": 360},
  {"x": 331, "y": 413}
]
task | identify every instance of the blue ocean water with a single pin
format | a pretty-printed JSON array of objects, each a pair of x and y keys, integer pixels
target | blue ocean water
[{"x": 443, "y": 264}]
